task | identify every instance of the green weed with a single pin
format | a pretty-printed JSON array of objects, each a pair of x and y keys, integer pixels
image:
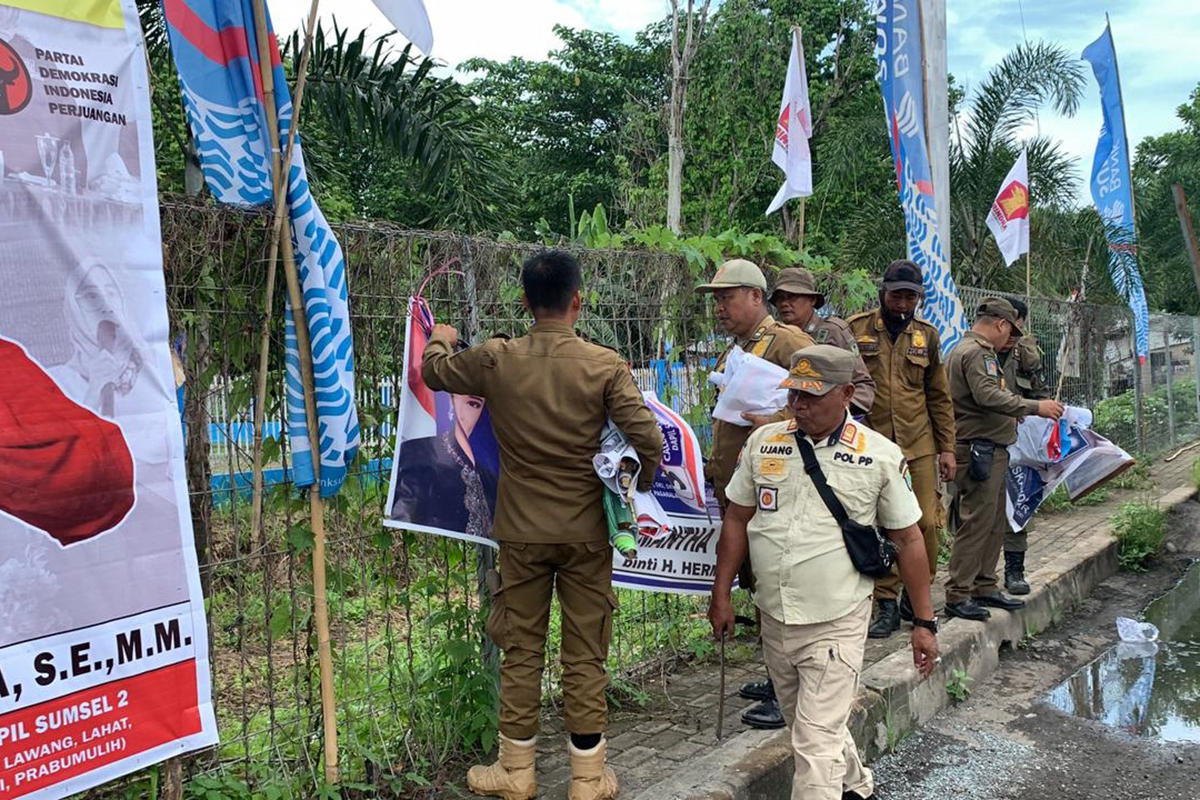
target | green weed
[
  {"x": 958, "y": 687},
  {"x": 1139, "y": 528}
]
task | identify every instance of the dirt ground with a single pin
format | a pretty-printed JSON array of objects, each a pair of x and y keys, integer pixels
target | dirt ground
[{"x": 1005, "y": 743}]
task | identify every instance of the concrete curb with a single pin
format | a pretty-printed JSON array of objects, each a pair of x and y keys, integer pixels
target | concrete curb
[{"x": 893, "y": 701}]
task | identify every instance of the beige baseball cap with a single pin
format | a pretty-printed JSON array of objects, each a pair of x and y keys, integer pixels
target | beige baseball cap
[
  {"x": 818, "y": 369},
  {"x": 731, "y": 274},
  {"x": 798, "y": 280}
]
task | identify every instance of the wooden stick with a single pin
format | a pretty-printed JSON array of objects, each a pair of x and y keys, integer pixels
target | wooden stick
[
  {"x": 1028, "y": 278},
  {"x": 295, "y": 298},
  {"x": 1189, "y": 232},
  {"x": 1069, "y": 339}
]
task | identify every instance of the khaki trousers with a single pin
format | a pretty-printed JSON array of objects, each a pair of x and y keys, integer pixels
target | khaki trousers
[
  {"x": 520, "y": 617},
  {"x": 1017, "y": 541},
  {"x": 816, "y": 669},
  {"x": 925, "y": 486},
  {"x": 980, "y": 520}
]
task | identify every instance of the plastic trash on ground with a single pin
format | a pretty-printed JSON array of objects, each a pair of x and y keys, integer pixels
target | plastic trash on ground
[{"x": 1134, "y": 632}]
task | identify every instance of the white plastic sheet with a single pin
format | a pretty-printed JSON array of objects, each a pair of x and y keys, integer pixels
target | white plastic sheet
[{"x": 748, "y": 385}]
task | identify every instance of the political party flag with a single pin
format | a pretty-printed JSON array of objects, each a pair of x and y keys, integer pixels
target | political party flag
[
  {"x": 792, "y": 132},
  {"x": 898, "y": 54},
  {"x": 683, "y": 460},
  {"x": 215, "y": 46},
  {"x": 1009, "y": 217},
  {"x": 411, "y": 19},
  {"x": 1112, "y": 188}
]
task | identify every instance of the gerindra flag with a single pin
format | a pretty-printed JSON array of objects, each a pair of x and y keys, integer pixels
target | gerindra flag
[
  {"x": 411, "y": 19},
  {"x": 216, "y": 53},
  {"x": 792, "y": 132},
  {"x": 1112, "y": 188},
  {"x": 898, "y": 57},
  {"x": 1009, "y": 217}
]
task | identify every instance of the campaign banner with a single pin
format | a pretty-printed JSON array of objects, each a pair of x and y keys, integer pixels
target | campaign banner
[
  {"x": 446, "y": 467},
  {"x": 103, "y": 651},
  {"x": 899, "y": 59}
]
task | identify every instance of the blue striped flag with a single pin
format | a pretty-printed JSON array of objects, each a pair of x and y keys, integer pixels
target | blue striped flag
[{"x": 216, "y": 53}]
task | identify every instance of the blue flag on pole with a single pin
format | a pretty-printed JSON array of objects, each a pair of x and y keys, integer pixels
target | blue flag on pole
[
  {"x": 216, "y": 53},
  {"x": 1112, "y": 188},
  {"x": 898, "y": 59}
]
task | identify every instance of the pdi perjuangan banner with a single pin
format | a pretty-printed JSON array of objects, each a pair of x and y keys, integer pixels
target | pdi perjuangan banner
[
  {"x": 446, "y": 467},
  {"x": 103, "y": 650}
]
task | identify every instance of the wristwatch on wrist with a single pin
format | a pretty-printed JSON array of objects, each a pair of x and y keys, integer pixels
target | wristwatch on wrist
[{"x": 928, "y": 624}]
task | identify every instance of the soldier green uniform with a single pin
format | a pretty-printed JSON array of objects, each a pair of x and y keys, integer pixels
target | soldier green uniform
[
  {"x": 549, "y": 394},
  {"x": 912, "y": 408},
  {"x": 985, "y": 417},
  {"x": 827, "y": 330},
  {"x": 1022, "y": 375}
]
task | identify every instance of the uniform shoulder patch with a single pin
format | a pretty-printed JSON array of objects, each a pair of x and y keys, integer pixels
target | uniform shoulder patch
[
  {"x": 768, "y": 498},
  {"x": 992, "y": 366},
  {"x": 762, "y": 345},
  {"x": 849, "y": 434}
]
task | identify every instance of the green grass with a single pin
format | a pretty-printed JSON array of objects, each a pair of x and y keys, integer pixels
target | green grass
[
  {"x": 1058, "y": 500},
  {"x": 1140, "y": 529},
  {"x": 959, "y": 685}
]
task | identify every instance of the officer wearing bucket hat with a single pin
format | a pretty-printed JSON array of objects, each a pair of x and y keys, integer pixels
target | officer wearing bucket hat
[
  {"x": 815, "y": 604},
  {"x": 797, "y": 299},
  {"x": 739, "y": 293},
  {"x": 985, "y": 422}
]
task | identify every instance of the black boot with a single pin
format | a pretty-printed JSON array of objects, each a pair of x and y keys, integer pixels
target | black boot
[
  {"x": 1014, "y": 573},
  {"x": 759, "y": 691},
  {"x": 906, "y": 611},
  {"x": 848, "y": 795},
  {"x": 887, "y": 620},
  {"x": 999, "y": 600},
  {"x": 766, "y": 715},
  {"x": 968, "y": 609}
]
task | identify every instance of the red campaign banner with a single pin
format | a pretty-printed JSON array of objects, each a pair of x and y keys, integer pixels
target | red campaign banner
[{"x": 63, "y": 738}]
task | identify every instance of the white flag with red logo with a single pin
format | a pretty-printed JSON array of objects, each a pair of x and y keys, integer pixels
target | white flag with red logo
[
  {"x": 1009, "y": 217},
  {"x": 792, "y": 132},
  {"x": 411, "y": 19}
]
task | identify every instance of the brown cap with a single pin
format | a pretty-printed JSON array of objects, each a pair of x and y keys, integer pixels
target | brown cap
[
  {"x": 903, "y": 274},
  {"x": 798, "y": 280},
  {"x": 1001, "y": 309},
  {"x": 731, "y": 274},
  {"x": 817, "y": 369}
]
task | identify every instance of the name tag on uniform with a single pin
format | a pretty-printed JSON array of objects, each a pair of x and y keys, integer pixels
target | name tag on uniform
[
  {"x": 768, "y": 498},
  {"x": 867, "y": 345},
  {"x": 921, "y": 352}
]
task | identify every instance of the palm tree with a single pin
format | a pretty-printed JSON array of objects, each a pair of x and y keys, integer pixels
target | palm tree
[
  {"x": 367, "y": 105},
  {"x": 984, "y": 145}
]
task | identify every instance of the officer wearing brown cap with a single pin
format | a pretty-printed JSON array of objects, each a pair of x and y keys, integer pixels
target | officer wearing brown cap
[
  {"x": 815, "y": 605},
  {"x": 739, "y": 293},
  {"x": 549, "y": 516},
  {"x": 912, "y": 408},
  {"x": 797, "y": 299},
  {"x": 985, "y": 418},
  {"x": 1022, "y": 363}
]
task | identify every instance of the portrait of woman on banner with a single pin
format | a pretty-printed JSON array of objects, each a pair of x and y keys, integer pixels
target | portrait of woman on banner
[{"x": 448, "y": 481}]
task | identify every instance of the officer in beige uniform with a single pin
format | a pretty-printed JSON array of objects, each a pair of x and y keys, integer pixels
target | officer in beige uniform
[
  {"x": 912, "y": 408},
  {"x": 815, "y": 604},
  {"x": 985, "y": 419},
  {"x": 1022, "y": 363},
  {"x": 739, "y": 301},
  {"x": 549, "y": 394},
  {"x": 797, "y": 300}
]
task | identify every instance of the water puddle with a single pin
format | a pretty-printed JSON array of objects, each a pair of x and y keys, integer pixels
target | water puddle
[{"x": 1147, "y": 690}]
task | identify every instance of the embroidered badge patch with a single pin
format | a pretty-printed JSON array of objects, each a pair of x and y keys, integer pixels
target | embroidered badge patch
[
  {"x": 918, "y": 339},
  {"x": 823, "y": 336},
  {"x": 773, "y": 468},
  {"x": 993, "y": 368},
  {"x": 804, "y": 368},
  {"x": 849, "y": 433},
  {"x": 768, "y": 498},
  {"x": 762, "y": 345}
]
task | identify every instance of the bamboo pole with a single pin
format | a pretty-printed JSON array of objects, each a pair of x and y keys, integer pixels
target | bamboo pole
[{"x": 283, "y": 240}]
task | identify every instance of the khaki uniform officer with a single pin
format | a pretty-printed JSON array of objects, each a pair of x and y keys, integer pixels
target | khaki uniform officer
[
  {"x": 985, "y": 418},
  {"x": 815, "y": 605},
  {"x": 912, "y": 408},
  {"x": 1022, "y": 363},
  {"x": 739, "y": 302},
  {"x": 549, "y": 394},
  {"x": 797, "y": 299}
]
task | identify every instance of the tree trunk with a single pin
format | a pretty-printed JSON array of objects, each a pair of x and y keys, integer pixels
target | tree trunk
[{"x": 682, "y": 54}]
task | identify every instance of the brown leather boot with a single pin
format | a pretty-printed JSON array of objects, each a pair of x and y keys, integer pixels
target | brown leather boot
[
  {"x": 591, "y": 778},
  {"x": 512, "y": 777}
]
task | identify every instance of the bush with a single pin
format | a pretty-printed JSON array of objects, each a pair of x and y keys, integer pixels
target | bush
[
  {"x": 1116, "y": 418},
  {"x": 1139, "y": 528},
  {"x": 1196, "y": 473}
]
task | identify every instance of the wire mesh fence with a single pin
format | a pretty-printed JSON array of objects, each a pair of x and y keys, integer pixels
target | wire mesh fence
[{"x": 415, "y": 688}]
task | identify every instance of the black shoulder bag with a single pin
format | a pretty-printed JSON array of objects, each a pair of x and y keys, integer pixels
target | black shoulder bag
[{"x": 871, "y": 553}]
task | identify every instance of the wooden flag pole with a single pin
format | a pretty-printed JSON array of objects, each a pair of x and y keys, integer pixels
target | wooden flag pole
[
  {"x": 1028, "y": 277},
  {"x": 295, "y": 298}
]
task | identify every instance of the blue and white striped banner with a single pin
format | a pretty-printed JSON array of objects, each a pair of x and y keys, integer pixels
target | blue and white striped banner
[{"x": 215, "y": 47}]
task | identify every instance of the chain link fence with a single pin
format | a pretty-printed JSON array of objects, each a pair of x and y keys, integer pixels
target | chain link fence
[{"x": 415, "y": 682}]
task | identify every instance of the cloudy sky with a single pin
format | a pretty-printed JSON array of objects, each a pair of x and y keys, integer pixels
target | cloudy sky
[{"x": 1157, "y": 43}]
